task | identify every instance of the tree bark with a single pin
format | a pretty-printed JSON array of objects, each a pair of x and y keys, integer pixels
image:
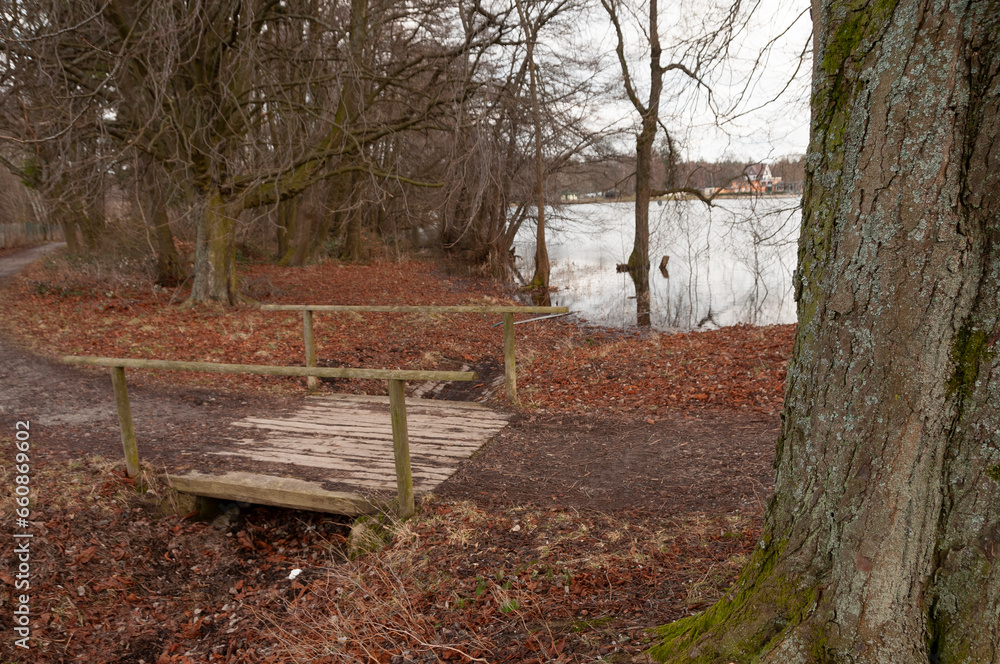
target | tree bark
[
  {"x": 67, "y": 221},
  {"x": 287, "y": 214},
  {"x": 638, "y": 261},
  {"x": 353, "y": 248},
  {"x": 168, "y": 262},
  {"x": 215, "y": 253},
  {"x": 881, "y": 541}
]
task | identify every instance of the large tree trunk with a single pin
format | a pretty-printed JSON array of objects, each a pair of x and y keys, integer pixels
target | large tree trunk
[
  {"x": 168, "y": 262},
  {"x": 881, "y": 542},
  {"x": 287, "y": 214},
  {"x": 215, "y": 253},
  {"x": 89, "y": 214},
  {"x": 67, "y": 220},
  {"x": 353, "y": 246}
]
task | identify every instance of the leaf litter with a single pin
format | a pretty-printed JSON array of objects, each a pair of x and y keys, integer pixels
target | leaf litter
[{"x": 471, "y": 578}]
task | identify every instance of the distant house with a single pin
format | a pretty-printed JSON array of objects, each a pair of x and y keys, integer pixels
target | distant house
[{"x": 756, "y": 179}]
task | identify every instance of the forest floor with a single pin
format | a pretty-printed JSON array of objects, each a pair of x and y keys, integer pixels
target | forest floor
[{"x": 626, "y": 492}]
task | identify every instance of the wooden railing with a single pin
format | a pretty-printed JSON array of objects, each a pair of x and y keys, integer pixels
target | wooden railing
[
  {"x": 397, "y": 402},
  {"x": 510, "y": 369}
]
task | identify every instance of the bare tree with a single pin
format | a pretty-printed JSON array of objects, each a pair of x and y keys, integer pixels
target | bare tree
[
  {"x": 527, "y": 124},
  {"x": 692, "y": 56},
  {"x": 206, "y": 91}
]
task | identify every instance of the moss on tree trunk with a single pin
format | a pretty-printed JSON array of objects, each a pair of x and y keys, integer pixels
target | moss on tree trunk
[{"x": 215, "y": 253}]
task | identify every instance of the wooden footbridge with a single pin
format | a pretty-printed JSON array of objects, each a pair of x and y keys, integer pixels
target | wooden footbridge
[{"x": 366, "y": 445}]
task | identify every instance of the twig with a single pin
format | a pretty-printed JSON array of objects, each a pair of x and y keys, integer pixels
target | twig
[{"x": 532, "y": 320}]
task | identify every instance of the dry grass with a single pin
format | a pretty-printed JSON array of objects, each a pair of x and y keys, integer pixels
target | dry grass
[
  {"x": 458, "y": 582},
  {"x": 461, "y": 583}
]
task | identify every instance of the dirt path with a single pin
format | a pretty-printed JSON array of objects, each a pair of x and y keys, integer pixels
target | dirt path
[
  {"x": 12, "y": 262},
  {"x": 673, "y": 465},
  {"x": 676, "y": 465}
]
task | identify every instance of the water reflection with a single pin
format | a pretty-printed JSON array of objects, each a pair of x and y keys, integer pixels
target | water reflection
[{"x": 728, "y": 264}]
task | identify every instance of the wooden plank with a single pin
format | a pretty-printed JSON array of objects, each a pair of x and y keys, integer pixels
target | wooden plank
[
  {"x": 266, "y": 370},
  {"x": 350, "y": 409},
  {"x": 426, "y": 433},
  {"x": 385, "y": 475},
  {"x": 452, "y": 439},
  {"x": 429, "y": 459},
  {"x": 367, "y": 479},
  {"x": 355, "y": 409},
  {"x": 125, "y": 421},
  {"x": 445, "y": 455},
  {"x": 422, "y": 424},
  {"x": 374, "y": 429},
  {"x": 345, "y": 471},
  {"x": 423, "y": 416},
  {"x": 426, "y": 425},
  {"x": 410, "y": 401},
  {"x": 272, "y": 490},
  {"x": 350, "y": 412},
  {"x": 441, "y": 437},
  {"x": 450, "y": 309},
  {"x": 412, "y": 406},
  {"x": 362, "y": 446}
]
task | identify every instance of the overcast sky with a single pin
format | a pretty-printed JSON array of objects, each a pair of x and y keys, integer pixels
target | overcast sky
[{"x": 766, "y": 125}]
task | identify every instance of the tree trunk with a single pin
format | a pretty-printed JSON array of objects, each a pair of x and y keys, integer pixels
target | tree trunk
[
  {"x": 215, "y": 253},
  {"x": 881, "y": 541},
  {"x": 90, "y": 218},
  {"x": 69, "y": 227},
  {"x": 542, "y": 265},
  {"x": 353, "y": 248},
  {"x": 168, "y": 263},
  {"x": 638, "y": 261},
  {"x": 288, "y": 222}
]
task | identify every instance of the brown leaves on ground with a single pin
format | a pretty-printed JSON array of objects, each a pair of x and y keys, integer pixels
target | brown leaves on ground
[
  {"x": 112, "y": 580},
  {"x": 562, "y": 366},
  {"x": 732, "y": 368},
  {"x": 115, "y": 581}
]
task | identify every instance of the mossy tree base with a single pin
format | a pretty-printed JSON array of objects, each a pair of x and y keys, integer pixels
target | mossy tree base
[{"x": 760, "y": 611}]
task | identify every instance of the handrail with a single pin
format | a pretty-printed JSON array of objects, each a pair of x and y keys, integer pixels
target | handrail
[
  {"x": 271, "y": 370},
  {"x": 397, "y": 402},
  {"x": 508, "y": 311},
  {"x": 417, "y": 309}
]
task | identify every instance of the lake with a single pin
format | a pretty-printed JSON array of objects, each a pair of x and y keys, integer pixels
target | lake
[{"x": 729, "y": 264}]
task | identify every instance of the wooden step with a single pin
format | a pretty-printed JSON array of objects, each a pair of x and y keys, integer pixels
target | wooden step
[{"x": 273, "y": 490}]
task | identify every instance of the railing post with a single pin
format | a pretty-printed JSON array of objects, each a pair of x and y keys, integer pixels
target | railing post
[
  {"x": 125, "y": 421},
  {"x": 312, "y": 382},
  {"x": 401, "y": 448},
  {"x": 510, "y": 370}
]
